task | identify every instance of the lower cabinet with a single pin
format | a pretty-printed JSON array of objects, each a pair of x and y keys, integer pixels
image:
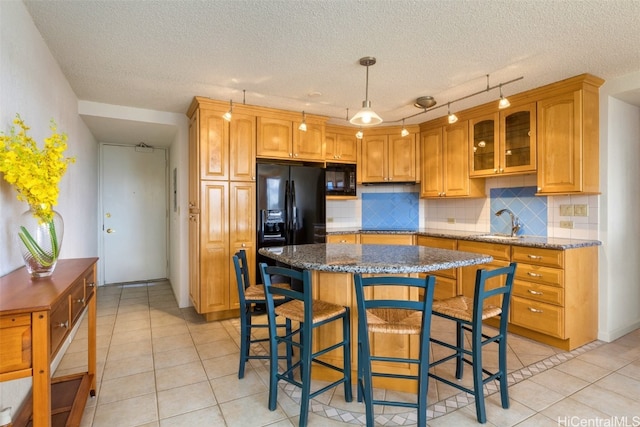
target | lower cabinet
[
  {"x": 446, "y": 280},
  {"x": 342, "y": 238},
  {"x": 386, "y": 239}
]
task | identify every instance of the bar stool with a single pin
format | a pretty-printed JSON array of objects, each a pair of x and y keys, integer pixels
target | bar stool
[
  {"x": 249, "y": 296},
  {"x": 311, "y": 314},
  {"x": 468, "y": 314},
  {"x": 380, "y": 311}
]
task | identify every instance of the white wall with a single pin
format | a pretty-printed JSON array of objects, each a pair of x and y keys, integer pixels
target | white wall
[
  {"x": 33, "y": 85},
  {"x": 619, "y": 292}
]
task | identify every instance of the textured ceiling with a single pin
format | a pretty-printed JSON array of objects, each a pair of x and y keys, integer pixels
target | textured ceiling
[{"x": 304, "y": 55}]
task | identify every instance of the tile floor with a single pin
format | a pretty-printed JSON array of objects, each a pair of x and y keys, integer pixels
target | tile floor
[{"x": 159, "y": 365}]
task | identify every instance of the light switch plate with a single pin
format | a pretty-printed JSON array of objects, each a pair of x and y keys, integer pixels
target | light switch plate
[
  {"x": 581, "y": 210},
  {"x": 566, "y": 210},
  {"x": 566, "y": 224}
]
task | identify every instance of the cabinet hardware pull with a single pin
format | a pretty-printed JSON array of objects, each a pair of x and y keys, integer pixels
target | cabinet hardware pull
[
  {"x": 91, "y": 285},
  {"x": 534, "y": 274},
  {"x": 534, "y": 310},
  {"x": 63, "y": 324},
  {"x": 534, "y": 256},
  {"x": 535, "y": 292},
  {"x": 80, "y": 301}
]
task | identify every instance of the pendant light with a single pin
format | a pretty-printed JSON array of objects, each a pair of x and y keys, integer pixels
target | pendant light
[
  {"x": 303, "y": 125},
  {"x": 452, "y": 117},
  {"x": 366, "y": 116},
  {"x": 504, "y": 102},
  {"x": 227, "y": 115},
  {"x": 404, "y": 132}
]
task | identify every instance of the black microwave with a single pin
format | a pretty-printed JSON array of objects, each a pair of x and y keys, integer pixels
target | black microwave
[{"x": 340, "y": 179}]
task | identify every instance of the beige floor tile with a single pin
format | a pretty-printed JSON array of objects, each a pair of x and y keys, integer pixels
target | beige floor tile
[
  {"x": 177, "y": 376},
  {"x": 250, "y": 411},
  {"x": 222, "y": 366},
  {"x": 538, "y": 420},
  {"x": 583, "y": 370},
  {"x": 202, "y": 336},
  {"x": 606, "y": 357},
  {"x": 129, "y": 349},
  {"x": 229, "y": 388},
  {"x": 130, "y": 412},
  {"x": 211, "y": 416},
  {"x": 559, "y": 381},
  {"x": 631, "y": 370},
  {"x": 604, "y": 401},
  {"x": 218, "y": 348},
  {"x": 461, "y": 418},
  {"x": 127, "y": 366},
  {"x": 131, "y": 323},
  {"x": 169, "y": 330},
  {"x": 126, "y": 387},
  {"x": 188, "y": 398},
  {"x": 175, "y": 357},
  {"x": 622, "y": 385},
  {"x": 534, "y": 395},
  {"x": 172, "y": 342}
]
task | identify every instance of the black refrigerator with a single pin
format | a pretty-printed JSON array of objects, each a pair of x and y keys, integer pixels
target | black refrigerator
[{"x": 291, "y": 206}]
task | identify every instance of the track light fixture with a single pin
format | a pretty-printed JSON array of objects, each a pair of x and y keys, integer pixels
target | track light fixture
[
  {"x": 504, "y": 102},
  {"x": 404, "y": 132},
  {"x": 303, "y": 125},
  {"x": 366, "y": 116},
  {"x": 227, "y": 115},
  {"x": 452, "y": 118}
]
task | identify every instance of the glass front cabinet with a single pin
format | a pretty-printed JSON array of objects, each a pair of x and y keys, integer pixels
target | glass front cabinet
[{"x": 503, "y": 142}]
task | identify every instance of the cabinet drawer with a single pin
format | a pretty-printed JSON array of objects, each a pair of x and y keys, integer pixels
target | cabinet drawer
[
  {"x": 15, "y": 351},
  {"x": 496, "y": 250},
  {"x": 537, "y": 274},
  {"x": 342, "y": 238},
  {"x": 445, "y": 287},
  {"x": 77, "y": 300},
  {"x": 541, "y": 317},
  {"x": 538, "y": 292},
  {"x": 386, "y": 239},
  {"x": 59, "y": 325},
  {"x": 89, "y": 285},
  {"x": 538, "y": 256},
  {"x": 440, "y": 243}
]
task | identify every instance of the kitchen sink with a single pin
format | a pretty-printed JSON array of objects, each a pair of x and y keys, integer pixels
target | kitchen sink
[{"x": 500, "y": 237}]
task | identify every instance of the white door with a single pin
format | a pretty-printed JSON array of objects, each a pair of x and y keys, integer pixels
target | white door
[{"x": 134, "y": 213}]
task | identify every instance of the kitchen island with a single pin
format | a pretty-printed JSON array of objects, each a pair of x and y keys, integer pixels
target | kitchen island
[{"x": 332, "y": 267}]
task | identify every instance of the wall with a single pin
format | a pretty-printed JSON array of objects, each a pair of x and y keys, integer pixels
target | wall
[
  {"x": 34, "y": 86},
  {"x": 619, "y": 293}
]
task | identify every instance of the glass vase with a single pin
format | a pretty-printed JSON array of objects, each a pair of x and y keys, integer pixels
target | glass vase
[{"x": 40, "y": 243}]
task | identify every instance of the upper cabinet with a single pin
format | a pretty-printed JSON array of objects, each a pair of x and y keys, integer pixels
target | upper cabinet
[
  {"x": 388, "y": 157},
  {"x": 340, "y": 144},
  {"x": 568, "y": 137},
  {"x": 503, "y": 142},
  {"x": 280, "y": 138},
  {"x": 445, "y": 161}
]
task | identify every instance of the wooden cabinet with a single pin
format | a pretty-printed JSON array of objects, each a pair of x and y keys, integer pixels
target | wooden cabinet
[
  {"x": 221, "y": 203},
  {"x": 386, "y": 239},
  {"x": 446, "y": 280},
  {"x": 280, "y": 138},
  {"x": 503, "y": 142},
  {"x": 501, "y": 256},
  {"x": 342, "y": 238},
  {"x": 35, "y": 319},
  {"x": 554, "y": 297},
  {"x": 568, "y": 137},
  {"x": 388, "y": 157},
  {"x": 445, "y": 162},
  {"x": 340, "y": 144}
]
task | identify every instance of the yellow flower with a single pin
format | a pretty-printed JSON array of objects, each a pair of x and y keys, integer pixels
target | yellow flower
[{"x": 34, "y": 173}]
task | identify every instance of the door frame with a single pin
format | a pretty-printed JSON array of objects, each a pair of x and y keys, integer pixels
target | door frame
[{"x": 100, "y": 229}]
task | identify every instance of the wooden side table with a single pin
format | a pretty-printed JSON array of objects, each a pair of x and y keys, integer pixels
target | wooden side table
[{"x": 36, "y": 317}]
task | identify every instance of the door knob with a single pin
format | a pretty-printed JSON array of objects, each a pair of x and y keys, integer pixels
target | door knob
[{"x": 110, "y": 230}]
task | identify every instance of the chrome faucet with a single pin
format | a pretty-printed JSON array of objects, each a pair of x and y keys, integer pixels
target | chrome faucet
[{"x": 515, "y": 222}]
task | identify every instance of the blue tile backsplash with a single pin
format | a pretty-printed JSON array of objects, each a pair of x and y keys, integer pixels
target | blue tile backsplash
[
  {"x": 522, "y": 201},
  {"x": 390, "y": 211}
]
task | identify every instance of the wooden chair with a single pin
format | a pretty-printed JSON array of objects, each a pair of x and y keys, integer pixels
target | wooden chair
[
  {"x": 468, "y": 315},
  {"x": 310, "y": 315},
  {"x": 381, "y": 313},
  {"x": 250, "y": 296}
]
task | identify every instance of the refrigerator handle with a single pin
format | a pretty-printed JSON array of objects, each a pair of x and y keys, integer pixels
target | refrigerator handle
[{"x": 294, "y": 213}]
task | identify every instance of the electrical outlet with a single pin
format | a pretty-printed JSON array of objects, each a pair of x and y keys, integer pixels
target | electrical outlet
[
  {"x": 566, "y": 210},
  {"x": 451, "y": 220},
  {"x": 566, "y": 224},
  {"x": 329, "y": 219},
  {"x": 581, "y": 210}
]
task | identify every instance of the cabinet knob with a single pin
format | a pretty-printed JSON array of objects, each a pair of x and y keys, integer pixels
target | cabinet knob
[
  {"x": 80, "y": 301},
  {"x": 244, "y": 245},
  {"x": 64, "y": 324},
  {"x": 91, "y": 284},
  {"x": 495, "y": 171},
  {"x": 110, "y": 230}
]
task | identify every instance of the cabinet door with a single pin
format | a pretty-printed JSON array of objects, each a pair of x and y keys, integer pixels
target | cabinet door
[
  {"x": 432, "y": 173},
  {"x": 560, "y": 144},
  {"x": 518, "y": 139},
  {"x": 483, "y": 151},
  {"x": 330, "y": 149},
  {"x": 242, "y": 229},
  {"x": 346, "y": 148},
  {"x": 242, "y": 148},
  {"x": 275, "y": 138},
  {"x": 309, "y": 145},
  {"x": 213, "y": 145},
  {"x": 375, "y": 152},
  {"x": 456, "y": 160},
  {"x": 194, "y": 260},
  {"x": 194, "y": 161},
  {"x": 214, "y": 247},
  {"x": 402, "y": 158}
]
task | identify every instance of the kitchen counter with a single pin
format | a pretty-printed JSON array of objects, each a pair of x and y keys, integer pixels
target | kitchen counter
[
  {"x": 527, "y": 241},
  {"x": 340, "y": 258}
]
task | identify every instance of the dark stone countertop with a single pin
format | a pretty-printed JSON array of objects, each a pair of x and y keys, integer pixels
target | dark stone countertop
[
  {"x": 348, "y": 258},
  {"x": 528, "y": 241}
]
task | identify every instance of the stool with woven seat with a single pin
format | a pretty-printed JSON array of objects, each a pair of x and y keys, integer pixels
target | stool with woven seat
[
  {"x": 380, "y": 312},
  {"x": 468, "y": 314},
  {"x": 311, "y": 314},
  {"x": 249, "y": 296}
]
